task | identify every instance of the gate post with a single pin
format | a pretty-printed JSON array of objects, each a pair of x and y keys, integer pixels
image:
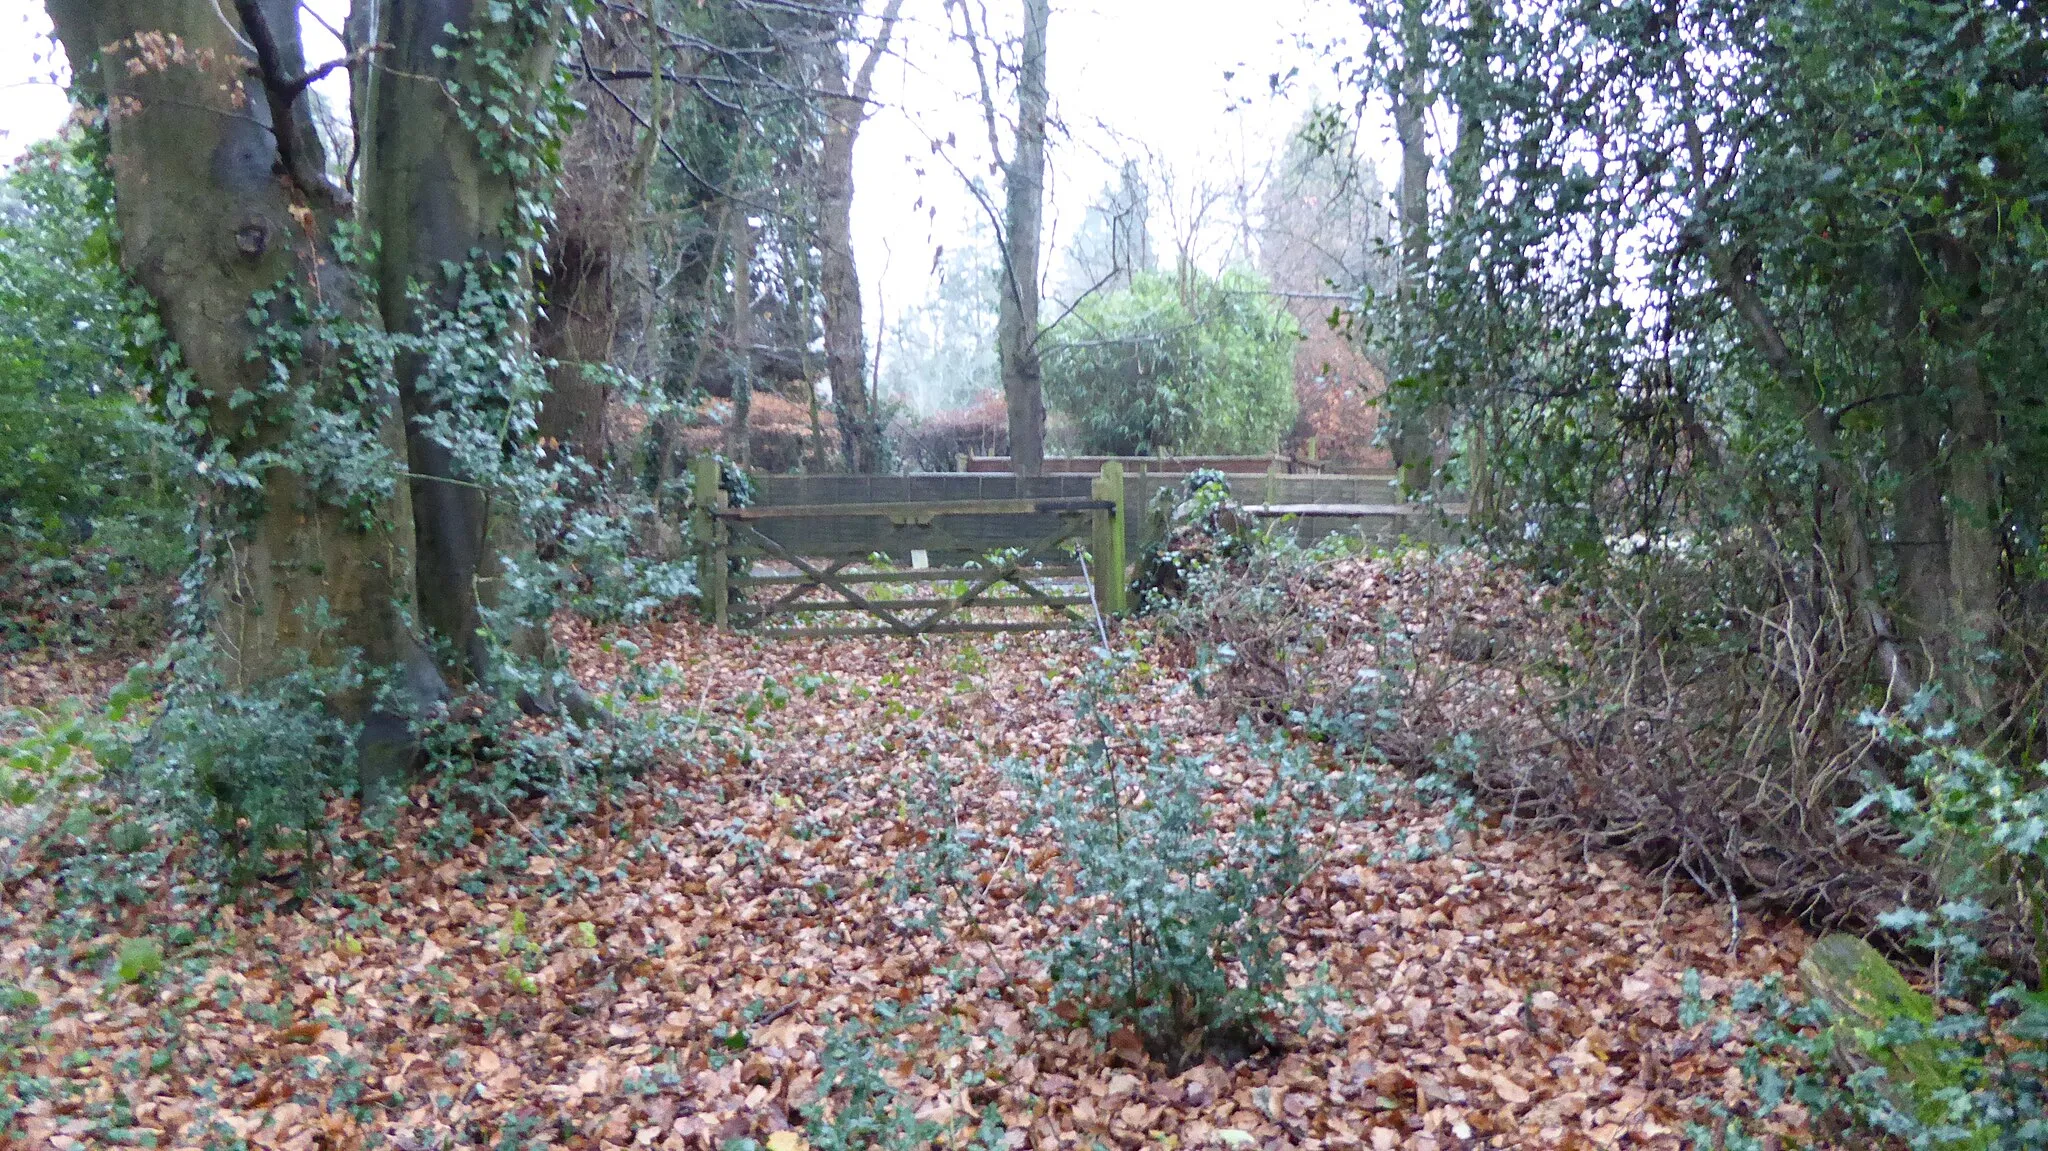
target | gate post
[
  {"x": 712, "y": 569},
  {"x": 1112, "y": 579}
]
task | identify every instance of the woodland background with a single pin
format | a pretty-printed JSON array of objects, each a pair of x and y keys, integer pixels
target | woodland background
[{"x": 360, "y": 427}]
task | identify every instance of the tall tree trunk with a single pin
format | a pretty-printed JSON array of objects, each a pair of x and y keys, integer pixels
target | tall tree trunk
[
  {"x": 739, "y": 337},
  {"x": 1976, "y": 511},
  {"x": 600, "y": 219},
  {"x": 1475, "y": 58},
  {"x": 216, "y": 209},
  {"x": 1414, "y": 447},
  {"x": 439, "y": 195},
  {"x": 1920, "y": 526},
  {"x": 1919, "y": 518},
  {"x": 860, "y": 428},
  {"x": 1024, "y": 184}
]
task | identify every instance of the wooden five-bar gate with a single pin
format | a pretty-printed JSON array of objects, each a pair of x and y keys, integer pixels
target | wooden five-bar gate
[{"x": 817, "y": 556}]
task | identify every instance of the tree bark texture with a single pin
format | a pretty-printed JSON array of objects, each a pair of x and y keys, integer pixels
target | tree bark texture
[
  {"x": 215, "y": 208},
  {"x": 601, "y": 219},
  {"x": 1017, "y": 328},
  {"x": 1920, "y": 525}
]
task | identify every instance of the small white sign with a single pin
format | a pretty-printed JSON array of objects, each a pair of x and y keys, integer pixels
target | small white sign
[{"x": 920, "y": 560}]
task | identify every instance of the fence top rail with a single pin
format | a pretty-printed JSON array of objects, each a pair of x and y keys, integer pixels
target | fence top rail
[
  {"x": 1229, "y": 465},
  {"x": 1341, "y": 511},
  {"x": 923, "y": 575},
  {"x": 917, "y": 508}
]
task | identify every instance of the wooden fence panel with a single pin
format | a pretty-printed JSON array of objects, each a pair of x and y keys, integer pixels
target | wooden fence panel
[{"x": 830, "y": 527}]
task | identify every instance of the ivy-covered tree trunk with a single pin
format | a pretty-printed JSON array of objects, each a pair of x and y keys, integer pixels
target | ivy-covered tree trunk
[
  {"x": 452, "y": 147},
  {"x": 1024, "y": 184},
  {"x": 235, "y": 231},
  {"x": 1414, "y": 445}
]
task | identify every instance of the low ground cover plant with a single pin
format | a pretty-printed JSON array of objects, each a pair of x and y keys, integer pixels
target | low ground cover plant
[{"x": 1170, "y": 885}]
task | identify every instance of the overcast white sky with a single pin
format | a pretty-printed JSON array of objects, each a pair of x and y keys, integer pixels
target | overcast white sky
[{"x": 1125, "y": 75}]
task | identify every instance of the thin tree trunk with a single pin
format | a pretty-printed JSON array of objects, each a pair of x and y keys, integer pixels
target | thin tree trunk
[
  {"x": 1017, "y": 323},
  {"x": 1919, "y": 519},
  {"x": 816, "y": 457},
  {"x": 739, "y": 335},
  {"x": 1414, "y": 448},
  {"x": 1475, "y": 56},
  {"x": 215, "y": 208},
  {"x": 1976, "y": 512},
  {"x": 1760, "y": 328},
  {"x": 436, "y": 201},
  {"x": 860, "y": 428}
]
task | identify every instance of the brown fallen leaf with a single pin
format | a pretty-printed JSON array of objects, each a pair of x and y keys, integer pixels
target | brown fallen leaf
[{"x": 1509, "y": 1090}]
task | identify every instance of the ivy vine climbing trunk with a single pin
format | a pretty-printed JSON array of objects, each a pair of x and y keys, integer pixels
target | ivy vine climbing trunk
[
  {"x": 846, "y": 111},
  {"x": 1414, "y": 446},
  {"x": 1475, "y": 51},
  {"x": 229, "y": 222},
  {"x": 1017, "y": 329},
  {"x": 458, "y": 123}
]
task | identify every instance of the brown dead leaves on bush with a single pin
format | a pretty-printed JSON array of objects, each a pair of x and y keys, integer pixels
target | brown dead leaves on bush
[{"x": 667, "y": 973}]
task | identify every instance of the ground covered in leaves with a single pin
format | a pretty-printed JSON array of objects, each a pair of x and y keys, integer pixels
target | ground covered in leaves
[{"x": 680, "y": 965}]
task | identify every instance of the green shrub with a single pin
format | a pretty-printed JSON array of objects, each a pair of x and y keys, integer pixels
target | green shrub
[
  {"x": 1980, "y": 823},
  {"x": 250, "y": 770},
  {"x": 1193, "y": 528},
  {"x": 79, "y": 352},
  {"x": 1162, "y": 367},
  {"x": 1175, "y": 898}
]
